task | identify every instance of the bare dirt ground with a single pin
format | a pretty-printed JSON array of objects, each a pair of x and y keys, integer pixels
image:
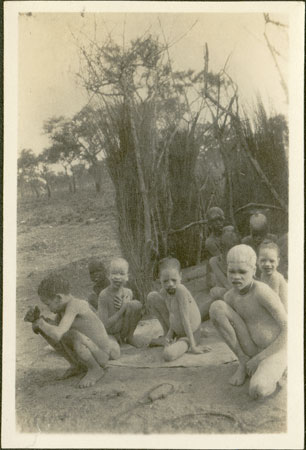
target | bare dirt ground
[{"x": 200, "y": 400}]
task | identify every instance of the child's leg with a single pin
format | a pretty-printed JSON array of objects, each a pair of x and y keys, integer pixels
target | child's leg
[
  {"x": 264, "y": 381},
  {"x": 157, "y": 307},
  {"x": 181, "y": 346},
  {"x": 131, "y": 318},
  {"x": 217, "y": 293},
  {"x": 235, "y": 333},
  {"x": 114, "y": 348},
  {"x": 63, "y": 350},
  {"x": 174, "y": 351},
  {"x": 89, "y": 354}
]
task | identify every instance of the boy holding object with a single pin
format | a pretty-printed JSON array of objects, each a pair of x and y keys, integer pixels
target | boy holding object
[{"x": 77, "y": 332}]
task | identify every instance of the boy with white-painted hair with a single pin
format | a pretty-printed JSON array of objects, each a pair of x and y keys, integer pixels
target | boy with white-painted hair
[{"x": 253, "y": 322}]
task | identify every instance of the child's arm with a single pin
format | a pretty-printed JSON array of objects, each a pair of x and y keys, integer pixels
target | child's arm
[
  {"x": 212, "y": 247},
  {"x": 184, "y": 312},
  {"x": 220, "y": 277},
  {"x": 271, "y": 302},
  {"x": 169, "y": 335},
  {"x": 56, "y": 332},
  {"x": 283, "y": 292},
  {"x": 103, "y": 312}
]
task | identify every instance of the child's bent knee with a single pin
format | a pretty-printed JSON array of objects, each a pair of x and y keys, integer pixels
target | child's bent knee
[
  {"x": 259, "y": 389},
  {"x": 134, "y": 306},
  {"x": 114, "y": 351},
  {"x": 217, "y": 307},
  {"x": 152, "y": 297}
]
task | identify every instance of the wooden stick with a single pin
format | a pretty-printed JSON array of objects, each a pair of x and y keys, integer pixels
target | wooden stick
[
  {"x": 186, "y": 227},
  {"x": 259, "y": 205}
]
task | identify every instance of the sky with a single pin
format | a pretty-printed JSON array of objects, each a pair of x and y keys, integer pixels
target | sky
[{"x": 48, "y": 57}]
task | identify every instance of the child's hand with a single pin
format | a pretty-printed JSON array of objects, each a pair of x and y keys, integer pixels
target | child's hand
[
  {"x": 118, "y": 302},
  {"x": 169, "y": 341},
  {"x": 32, "y": 314},
  {"x": 251, "y": 365},
  {"x": 36, "y": 325}
]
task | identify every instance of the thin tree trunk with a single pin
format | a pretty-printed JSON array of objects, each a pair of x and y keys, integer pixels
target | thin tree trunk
[
  {"x": 142, "y": 185},
  {"x": 48, "y": 190}
]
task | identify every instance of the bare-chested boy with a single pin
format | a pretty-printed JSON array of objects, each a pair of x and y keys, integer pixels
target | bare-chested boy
[
  {"x": 117, "y": 309},
  {"x": 177, "y": 312},
  {"x": 218, "y": 264},
  {"x": 253, "y": 322},
  {"x": 268, "y": 261},
  {"x": 77, "y": 333},
  {"x": 98, "y": 276}
]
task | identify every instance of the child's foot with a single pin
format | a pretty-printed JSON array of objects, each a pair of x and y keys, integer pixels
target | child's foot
[
  {"x": 71, "y": 372},
  {"x": 92, "y": 376},
  {"x": 239, "y": 376},
  {"x": 158, "y": 342}
]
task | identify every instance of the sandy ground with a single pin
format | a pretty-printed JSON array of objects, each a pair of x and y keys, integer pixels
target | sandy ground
[{"x": 199, "y": 400}]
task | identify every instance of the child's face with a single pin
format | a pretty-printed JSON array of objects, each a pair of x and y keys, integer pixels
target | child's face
[
  {"x": 258, "y": 235},
  {"x": 56, "y": 304},
  {"x": 268, "y": 260},
  {"x": 118, "y": 275},
  {"x": 96, "y": 275},
  {"x": 240, "y": 274},
  {"x": 170, "y": 279},
  {"x": 217, "y": 224}
]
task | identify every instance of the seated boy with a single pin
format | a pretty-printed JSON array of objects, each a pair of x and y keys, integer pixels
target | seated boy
[
  {"x": 258, "y": 232},
  {"x": 97, "y": 273},
  {"x": 77, "y": 332},
  {"x": 117, "y": 309},
  {"x": 215, "y": 218},
  {"x": 268, "y": 261},
  {"x": 253, "y": 322},
  {"x": 218, "y": 265},
  {"x": 177, "y": 312}
]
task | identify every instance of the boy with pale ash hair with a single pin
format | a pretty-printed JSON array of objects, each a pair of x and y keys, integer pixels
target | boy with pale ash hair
[
  {"x": 253, "y": 322},
  {"x": 117, "y": 309},
  {"x": 77, "y": 333}
]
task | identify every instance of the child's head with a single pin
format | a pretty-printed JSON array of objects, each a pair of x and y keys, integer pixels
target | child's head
[
  {"x": 229, "y": 238},
  {"x": 97, "y": 271},
  {"x": 118, "y": 272},
  {"x": 170, "y": 274},
  {"x": 258, "y": 227},
  {"x": 241, "y": 266},
  {"x": 268, "y": 257},
  {"x": 54, "y": 291},
  {"x": 215, "y": 217}
]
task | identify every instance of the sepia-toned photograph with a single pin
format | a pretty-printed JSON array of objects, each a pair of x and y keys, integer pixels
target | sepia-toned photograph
[{"x": 151, "y": 292}]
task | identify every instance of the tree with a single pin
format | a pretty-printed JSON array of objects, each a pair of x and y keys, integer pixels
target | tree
[
  {"x": 64, "y": 148},
  {"x": 43, "y": 163},
  {"x": 91, "y": 141},
  {"x": 28, "y": 173},
  {"x": 139, "y": 107}
]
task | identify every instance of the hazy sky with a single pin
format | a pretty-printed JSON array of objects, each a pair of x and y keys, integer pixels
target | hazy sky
[{"x": 48, "y": 57}]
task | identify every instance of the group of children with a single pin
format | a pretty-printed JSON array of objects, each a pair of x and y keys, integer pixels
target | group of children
[{"x": 248, "y": 310}]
